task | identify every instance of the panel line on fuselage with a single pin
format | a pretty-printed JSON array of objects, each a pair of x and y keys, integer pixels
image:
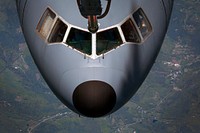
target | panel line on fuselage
[
  {"x": 23, "y": 12},
  {"x": 165, "y": 10}
]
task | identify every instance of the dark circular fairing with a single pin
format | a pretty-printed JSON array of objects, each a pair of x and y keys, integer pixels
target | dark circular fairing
[{"x": 94, "y": 98}]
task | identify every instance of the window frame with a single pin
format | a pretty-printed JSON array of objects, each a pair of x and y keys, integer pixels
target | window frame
[
  {"x": 135, "y": 30},
  {"x": 41, "y": 24},
  {"x": 74, "y": 47},
  {"x": 120, "y": 37},
  {"x": 117, "y": 35},
  {"x": 148, "y": 24},
  {"x": 54, "y": 30}
]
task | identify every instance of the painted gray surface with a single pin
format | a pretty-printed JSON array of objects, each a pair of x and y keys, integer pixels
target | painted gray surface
[{"x": 124, "y": 68}]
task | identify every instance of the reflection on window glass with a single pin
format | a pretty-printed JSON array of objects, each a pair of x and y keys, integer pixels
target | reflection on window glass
[
  {"x": 46, "y": 22},
  {"x": 80, "y": 40},
  {"x": 130, "y": 32},
  {"x": 58, "y": 32},
  {"x": 108, "y": 40},
  {"x": 142, "y": 22}
]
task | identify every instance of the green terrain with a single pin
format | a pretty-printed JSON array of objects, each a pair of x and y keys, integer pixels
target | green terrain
[{"x": 167, "y": 102}]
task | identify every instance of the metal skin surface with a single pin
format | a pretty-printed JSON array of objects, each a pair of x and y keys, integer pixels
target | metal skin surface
[{"x": 124, "y": 68}]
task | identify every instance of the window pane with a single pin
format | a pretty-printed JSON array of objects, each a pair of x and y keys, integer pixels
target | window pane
[
  {"x": 46, "y": 22},
  {"x": 108, "y": 40},
  {"x": 142, "y": 22},
  {"x": 58, "y": 32},
  {"x": 80, "y": 40},
  {"x": 130, "y": 32}
]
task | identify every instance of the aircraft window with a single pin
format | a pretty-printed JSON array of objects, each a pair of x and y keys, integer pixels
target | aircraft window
[
  {"x": 108, "y": 40},
  {"x": 58, "y": 32},
  {"x": 46, "y": 22},
  {"x": 80, "y": 40},
  {"x": 130, "y": 32},
  {"x": 142, "y": 22}
]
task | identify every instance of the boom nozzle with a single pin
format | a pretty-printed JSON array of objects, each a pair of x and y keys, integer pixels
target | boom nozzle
[
  {"x": 93, "y": 24},
  {"x": 92, "y": 10}
]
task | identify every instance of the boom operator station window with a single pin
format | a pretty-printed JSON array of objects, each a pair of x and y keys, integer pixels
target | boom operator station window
[
  {"x": 46, "y": 22},
  {"x": 80, "y": 40},
  {"x": 130, "y": 32},
  {"x": 142, "y": 23},
  {"x": 58, "y": 32},
  {"x": 108, "y": 40}
]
